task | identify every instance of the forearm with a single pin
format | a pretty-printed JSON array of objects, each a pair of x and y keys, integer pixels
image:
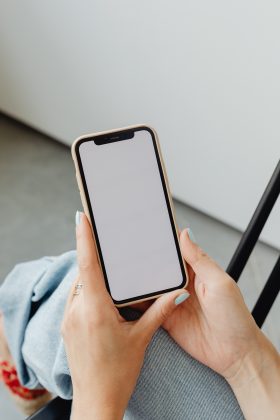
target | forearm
[{"x": 257, "y": 385}]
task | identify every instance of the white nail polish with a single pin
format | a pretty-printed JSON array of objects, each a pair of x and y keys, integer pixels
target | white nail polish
[{"x": 77, "y": 218}]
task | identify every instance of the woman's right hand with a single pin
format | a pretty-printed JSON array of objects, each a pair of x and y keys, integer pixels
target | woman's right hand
[{"x": 216, "y": 328}]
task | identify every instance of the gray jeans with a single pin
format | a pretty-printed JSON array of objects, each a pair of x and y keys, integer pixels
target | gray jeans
[{"x": 172, "y": 385}]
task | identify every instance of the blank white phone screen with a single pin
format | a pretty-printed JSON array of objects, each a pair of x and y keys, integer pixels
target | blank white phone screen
[{"x": 131, "y": 216}]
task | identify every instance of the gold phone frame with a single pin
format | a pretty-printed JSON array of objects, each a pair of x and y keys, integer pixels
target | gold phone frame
[{"x": 85, "y": 204}]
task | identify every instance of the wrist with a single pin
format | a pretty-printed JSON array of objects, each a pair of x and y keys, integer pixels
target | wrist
[
  {"x": 256, "y": 383},
  {"x": 254, "y": 365},
  {"x": 91, "y": 406}
]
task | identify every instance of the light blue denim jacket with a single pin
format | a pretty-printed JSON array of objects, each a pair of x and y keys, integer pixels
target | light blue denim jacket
[{"x": 32, "y": 299}]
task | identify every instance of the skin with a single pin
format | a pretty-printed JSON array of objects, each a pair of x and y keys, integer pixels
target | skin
[
  {"x": 105, "y": 352},
  {"x": 216, "y": 328},
  {"x": 220, "y": 331}
]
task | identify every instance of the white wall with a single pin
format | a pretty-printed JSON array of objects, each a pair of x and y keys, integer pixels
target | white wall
[{"x": 204, "y": 73}]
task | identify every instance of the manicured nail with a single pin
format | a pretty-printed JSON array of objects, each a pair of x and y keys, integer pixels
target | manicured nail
[
  {"x": 191, "y": 235},
  {"x": 181, "y": 298},
  {"x": 78, "y": 218}
]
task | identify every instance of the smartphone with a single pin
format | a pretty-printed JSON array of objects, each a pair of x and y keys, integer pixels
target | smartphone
[{"x": 125, "y": 195}]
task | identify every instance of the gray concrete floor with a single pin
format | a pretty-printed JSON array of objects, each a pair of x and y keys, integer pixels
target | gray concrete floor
[{"x": 38, "y": 201}]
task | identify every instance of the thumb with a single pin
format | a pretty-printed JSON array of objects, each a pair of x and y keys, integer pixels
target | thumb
[{"x": 159, "y": 311}]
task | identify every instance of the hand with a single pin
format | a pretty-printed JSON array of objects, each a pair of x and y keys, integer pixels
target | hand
[
  {"x": 105, "y": 353},
  {"x": 216, "y": 328},
  {"x": 214, "y": 325}
]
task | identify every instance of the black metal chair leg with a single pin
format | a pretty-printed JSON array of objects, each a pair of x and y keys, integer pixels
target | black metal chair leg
[
  {"x": 268, "y": 295},
  {"x": 252, "y": 233},
  {"x": 57, "y": 409}
]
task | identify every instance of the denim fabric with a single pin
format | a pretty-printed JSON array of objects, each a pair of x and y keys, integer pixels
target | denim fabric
[{"x": 172, "y": 385}]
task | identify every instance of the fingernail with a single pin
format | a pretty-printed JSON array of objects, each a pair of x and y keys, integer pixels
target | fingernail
[
  {"x": 191, "y": 235},
  {"x": 181, "y": 298},
  {"x": 77, "y": 218}
]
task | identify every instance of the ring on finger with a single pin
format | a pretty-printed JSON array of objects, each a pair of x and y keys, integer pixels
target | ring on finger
[{"x": 78, "y": 289}]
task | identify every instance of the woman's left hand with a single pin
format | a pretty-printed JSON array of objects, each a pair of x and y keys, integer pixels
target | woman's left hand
[{"x": 105, "y": 352}]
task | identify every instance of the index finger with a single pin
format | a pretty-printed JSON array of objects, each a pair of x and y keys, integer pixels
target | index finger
[
  {"x": 90, "y": 274},
  {"x": 202, "y": 265}
]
